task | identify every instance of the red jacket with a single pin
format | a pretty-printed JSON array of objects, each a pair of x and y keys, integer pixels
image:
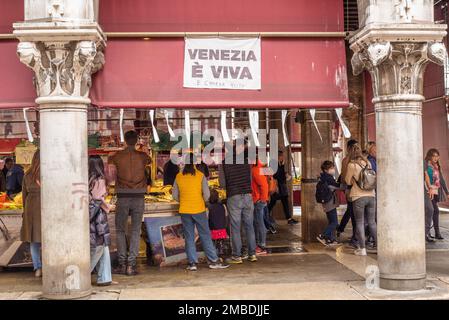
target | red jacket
[{"x": 259, "y": 184}]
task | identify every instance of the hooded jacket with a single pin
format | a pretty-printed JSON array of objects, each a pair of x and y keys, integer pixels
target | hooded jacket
[{"x": 259, "y": 184}]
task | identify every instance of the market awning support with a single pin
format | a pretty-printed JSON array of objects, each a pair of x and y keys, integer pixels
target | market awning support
[
  {"x": 69, "y": 49},
  {"x": 316, "y": 142}
]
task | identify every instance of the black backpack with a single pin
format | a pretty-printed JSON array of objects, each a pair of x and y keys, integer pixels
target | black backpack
[{"x": 323, "y": 194}]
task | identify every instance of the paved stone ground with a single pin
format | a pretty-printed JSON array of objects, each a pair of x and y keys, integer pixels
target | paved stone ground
[{"x": 316, "y": 273}]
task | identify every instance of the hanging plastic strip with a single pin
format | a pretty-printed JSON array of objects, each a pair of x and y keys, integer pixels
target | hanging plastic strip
[
  {"x": 253, "y": 122},
  {"x": 346, "y": 132},
  {"x": 312, "y": 114},
  {"x": 122, "y": 138},
  {"x": 167, "y": 116},
  {"x": 284, "y": 131},
  {"x": 27, "y": 124},
  {"x": 224, "y": 130},
  {"x": 155, "y": 134},
  {"x": 187, "y": 126}
]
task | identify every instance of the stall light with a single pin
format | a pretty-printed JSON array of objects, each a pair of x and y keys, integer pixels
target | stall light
[
  {"x": 284, "y": 132},
  {"x": 122, "y": 138},
  {"x": 346, "y": 132},
  {"x": 27, "y": 125},
  {"x": 146, "y": 39},
  {"x": 253, "y": 122},
  {"x": 224, "y": 130},
  {"x": 187, "y": 126},
  {"x": 312, "y": 114},
  {"x": 170, "y": 131},
  {"x": 155, "y": 134}
]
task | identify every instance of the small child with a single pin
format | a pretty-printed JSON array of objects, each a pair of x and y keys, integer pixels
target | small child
[
  {"x": 329, "y": 207},
  {"x": 217, "y": 222}
]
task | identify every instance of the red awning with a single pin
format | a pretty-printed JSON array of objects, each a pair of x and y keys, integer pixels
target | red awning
[
  {"x": 16, "y": 80},
  {"x": 221, "y": 15},
  {"x": 10, "y": 11},
  {"x": 296, "y": 72}
]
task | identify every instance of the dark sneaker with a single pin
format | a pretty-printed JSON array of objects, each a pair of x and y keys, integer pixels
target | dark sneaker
[
  {"x": 429, "y": 239},
  {"x": 218, "y": 265},
  {"x": 332, "y": 242},
  {"x": 321, "y": 239},
  {"x": 234, "y": 260},
  {"x": 245, "y": 256},
  {"x": 192, "y": 267},
  {"x": 272, "y": 230},
  {"x": 121, "y": 269},
  {"x": 292, "y": 221},
  {"x": 252, "y": 258},
  {"x": 131, "y": 271},
  {"x": 439, "y": 237},
  {"x": 371, "y": 249}
]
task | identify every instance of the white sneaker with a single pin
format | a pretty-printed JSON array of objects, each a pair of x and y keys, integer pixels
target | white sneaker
[{"x": 360, "y": 252}]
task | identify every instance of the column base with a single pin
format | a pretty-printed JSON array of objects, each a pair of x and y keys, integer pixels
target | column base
[
  {"x": 72, "y": 296},
  {"x": 402, "y": 284}
]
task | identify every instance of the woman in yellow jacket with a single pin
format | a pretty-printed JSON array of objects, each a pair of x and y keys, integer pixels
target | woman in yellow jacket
[{"x": 191, "y": 190}]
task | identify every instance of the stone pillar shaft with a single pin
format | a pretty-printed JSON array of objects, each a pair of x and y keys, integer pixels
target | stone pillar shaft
[
  {"x": 396, "y": 56},
  {"x": 313, "y": 153},
  {"x": 63, "y": 48}
]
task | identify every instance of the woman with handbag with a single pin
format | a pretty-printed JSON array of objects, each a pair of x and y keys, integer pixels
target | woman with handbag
[
  {"x": 437, "y": 191},
  {"x": 100, "y": 236},
  {"x": 31, "y": 222}
]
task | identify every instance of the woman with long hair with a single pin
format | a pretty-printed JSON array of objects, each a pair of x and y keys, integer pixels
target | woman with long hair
[
  {"x": 362, "y": 200},
  {"x": 192, "y": 191},
  {"x": 100, "y": 237},
  {"x": 31, "y": 222},
  {"x": 436, "y": 191}
]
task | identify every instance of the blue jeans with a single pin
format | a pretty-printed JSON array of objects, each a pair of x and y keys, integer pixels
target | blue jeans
[
  {"x": 259, "y": 225},
  {"x": 35, "y": 248},
  {"x": 329, "y": 232},
  {"x": 268, "y": 218},
  {"x": 100, "y": 256},
  {"x": 189, "y": 221},
  {"x": 241, "y": 207}
]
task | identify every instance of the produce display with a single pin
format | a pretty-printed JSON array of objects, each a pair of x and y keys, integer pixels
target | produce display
[
  {"x": 8, "y": 204},
  {"x": 214, "y": 184},
  {"x": 297, "y": 181},
  {"x": 159, "y": 193}
]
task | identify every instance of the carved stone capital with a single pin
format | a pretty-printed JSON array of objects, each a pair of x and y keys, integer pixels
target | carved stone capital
[
  {"x": 63, "y": 68},
  {"x": 397, "y": 68}
]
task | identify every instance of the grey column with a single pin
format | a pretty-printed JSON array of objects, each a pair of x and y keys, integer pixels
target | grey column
[
  {"x": 63, "y": 48},
  {"x": 313, "y": 152},
  {"x": 396, "y": 52}
]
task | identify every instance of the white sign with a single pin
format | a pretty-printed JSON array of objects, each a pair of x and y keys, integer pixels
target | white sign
[{"x": 217, "y": 63}]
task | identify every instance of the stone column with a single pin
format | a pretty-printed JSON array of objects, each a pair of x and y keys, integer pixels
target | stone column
[
  {"x": 313, "y": 153},
  {"x": 63, "y": 53},
  {"x": 396, "y": 52}
]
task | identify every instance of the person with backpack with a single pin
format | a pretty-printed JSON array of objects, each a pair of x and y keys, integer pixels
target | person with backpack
[
  {"x": 325, "y": 194},
  {"x": 362, "y": 178},
  {"x": 349, "y": 214}
]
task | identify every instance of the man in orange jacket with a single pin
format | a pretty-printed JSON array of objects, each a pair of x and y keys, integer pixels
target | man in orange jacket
[{"x": 259, "y": 185}]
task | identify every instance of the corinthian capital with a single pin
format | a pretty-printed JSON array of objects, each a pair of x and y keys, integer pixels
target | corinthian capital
[
  {"x": 397, "y": 68},
  {"x": 61, "y": 69},
  {"x": 436, "y": 52}
]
